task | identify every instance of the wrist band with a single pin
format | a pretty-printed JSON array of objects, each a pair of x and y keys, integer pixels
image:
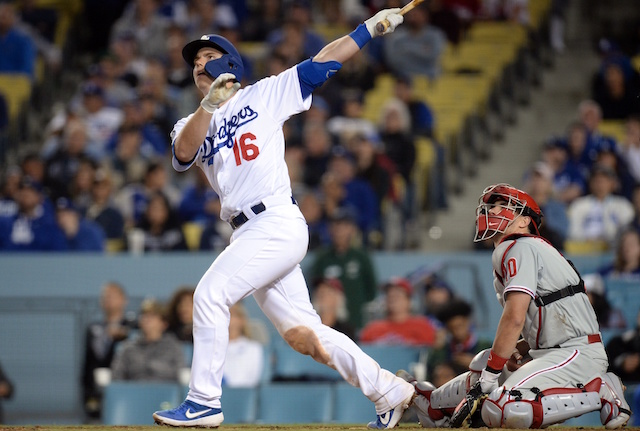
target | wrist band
[
  {"x": 495, "y": 361},
  {"x": 360, "y": 35}
]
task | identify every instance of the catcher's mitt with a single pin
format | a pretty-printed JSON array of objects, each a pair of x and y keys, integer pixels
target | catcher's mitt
[{"x": 464, "y": 416}]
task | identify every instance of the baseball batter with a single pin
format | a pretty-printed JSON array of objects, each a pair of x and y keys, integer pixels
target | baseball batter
[
  {"x": 235, "y": 136},
  {"x": 558, "y": 369}
]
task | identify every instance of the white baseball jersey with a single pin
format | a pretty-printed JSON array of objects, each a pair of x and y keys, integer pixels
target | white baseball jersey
[
  {"x": 531, "y": 265},
  {"x": 243, "y": 153}
]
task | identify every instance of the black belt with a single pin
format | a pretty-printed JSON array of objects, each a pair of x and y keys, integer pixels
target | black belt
[{"x": 242, "y": 218}]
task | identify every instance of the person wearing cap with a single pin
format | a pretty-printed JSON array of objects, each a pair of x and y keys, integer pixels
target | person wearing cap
[
  {"x": 33, "y": 227},
  {"x": 400, "y": 325},
  {"x": 330, "y": 303},
  {"x": 600, "y": 215},
  {"x": 462, "y": 342},
  {"x": 347, "y": 261},
  {"x": 102, "y": 210},
  {"x": 155, "y": 355},
  {"x": 568, "y": 181},
  {"x": 81, "y": 234},
  {"x": 236, "y": 137}
]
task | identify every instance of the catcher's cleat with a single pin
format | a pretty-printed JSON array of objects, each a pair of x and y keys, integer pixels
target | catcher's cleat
[
  {"x": 190, "y": 414},
  {"x": 463, "y": 415},
  {"x": 391, "y": 418}
]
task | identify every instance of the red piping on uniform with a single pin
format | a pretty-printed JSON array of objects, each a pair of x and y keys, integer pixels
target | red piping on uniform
[{"x": 555, "y": 367}]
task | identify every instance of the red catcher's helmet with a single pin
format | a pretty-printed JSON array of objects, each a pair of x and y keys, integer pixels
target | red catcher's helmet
[{"x": 515, "y": 203}]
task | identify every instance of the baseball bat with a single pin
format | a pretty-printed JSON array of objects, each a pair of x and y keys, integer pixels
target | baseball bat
[{"x": 383, "y": 25}]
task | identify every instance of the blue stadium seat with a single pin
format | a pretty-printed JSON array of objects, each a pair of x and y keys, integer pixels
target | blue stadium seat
[
  {"x": 289, "y": 364},
  {"x": 239, "y": 405},
  {"x": 351, "y": 406},
  {"x": 295, "y": 403},
  {"x": 133, "y": 403},
  {"x": 392, "y": 357},
  {"x": 187, "y": 349},
  {"x": 623, "y": 294}
]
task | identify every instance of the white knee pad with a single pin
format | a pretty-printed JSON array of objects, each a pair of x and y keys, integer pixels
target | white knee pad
[
  {"x": 524, "y": 408},
  {"x": 615, "y": 410},
  {"x": 479, "y": 361}
]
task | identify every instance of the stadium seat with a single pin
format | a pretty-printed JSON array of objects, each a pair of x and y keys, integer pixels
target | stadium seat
[
  {"x": 351, "y": 406},
  {"x": 392, "y": 357},
  {"x": 192, "y": 232},
  {"x": 16, "y": 89},
  {"x": 133, "y": 403},
  {"x": 290, "y": 365},
  {"x": 240, "y": 405},
  {"x": 623, "y": 294},
  {"x": 280, "y": 403}
]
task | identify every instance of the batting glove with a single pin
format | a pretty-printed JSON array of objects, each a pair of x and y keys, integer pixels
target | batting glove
[
  {"x": 391, "y": 15},
  {"x": 219, "y": 92}
]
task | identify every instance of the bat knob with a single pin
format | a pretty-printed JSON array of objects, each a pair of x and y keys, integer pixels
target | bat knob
[{"x": 382, "y": 26}]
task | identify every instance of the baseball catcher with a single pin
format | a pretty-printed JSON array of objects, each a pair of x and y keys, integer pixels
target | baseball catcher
[{"x": 547, "y": 363}]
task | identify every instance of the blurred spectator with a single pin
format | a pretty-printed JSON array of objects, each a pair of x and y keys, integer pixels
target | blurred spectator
[
  {"x": 265, "y": 17},
  {"x": 42, "y": 19},
  {"x": 130, "y": 157},
  {"x": 133, "y": 198},
  {"x": 104, "y": 74},
  {"x": 311, "y": 208},
  {"x": 101, "y": 121},
  {"x": 630, "y": 147},
  {"x": 9, "y": 191},
  {"x": 153, "y": 356},
  {"x": 298, "y": 29},
  {"x": 157, "y": 108},
  {"x": 180, "y": 313},
  {"x": 81, "y": 234},
  {"x": 149, "y": 28},
  {"x": 416, "y": 47},
  {"x": 33, "y": 227},
  {"x": 624, "y": 354},
  {"x": 462, "y": 342},
  {"x": 359, "y": 195},
  {"x": 101, "y": 209},
  {"x": 199, "y": 202},
  {"x": 422, "y": 119},
  {"x": 245, "y": 356},
  {"x": 101, "y": 339},
  {"x": 539, "y": 185},
  {"x": 447, "y": 20},
  {"x": 6, "y": 391},
  {"x": 557, "y": 22},
  {"x": 400, "y": 325},
  {"x": 348, "y": 262},
  {"x": 129, "y": 64},
  {"x": 436, "y": 294},
  {"x": 62, "y": 166},
  {"x": 330, "y": 303},
  {"x": 229, "y": 28},
  {"x": 317, "y": 144},
  {"x": 374, "y": 167},
  {"x": 590, "y": 115},
  {"x": 609, "y": 156},
  {"x": 161, "y": 226},
  {"x": 33, "y": 166},
  {"x": 626, "y": 262},
  {"x": 568, "y": 181},
  {"x": 445, "y": 371},
  {"x": 18, "y": 49},
  {"x": 351, "y": 122},
  {"x": 615, "y": 89},
  {"x": 601, "y": 215},
  {"x": 81, "y": 185},
  {"x": 635, "y": 201},
  {"x": 516, "y": 11},
  {"x": 608, "y": 316},
  {"x": 202, "y": 15}
]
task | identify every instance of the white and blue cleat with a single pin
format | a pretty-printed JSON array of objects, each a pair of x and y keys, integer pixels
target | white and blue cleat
[
  {"x": 391, "y": 418},
  {"x": 190, "y": 414}
]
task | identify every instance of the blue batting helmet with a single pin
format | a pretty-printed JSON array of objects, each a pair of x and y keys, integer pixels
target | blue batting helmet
[{"x": 229, "y": 62}]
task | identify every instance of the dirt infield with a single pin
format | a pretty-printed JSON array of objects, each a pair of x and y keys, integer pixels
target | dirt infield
[{"x": 306, "y": 427}]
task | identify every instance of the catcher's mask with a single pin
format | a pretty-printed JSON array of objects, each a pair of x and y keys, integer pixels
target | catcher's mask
[
  {"x": 230, "y": 62},
  {"x": 513, "y": 203}
]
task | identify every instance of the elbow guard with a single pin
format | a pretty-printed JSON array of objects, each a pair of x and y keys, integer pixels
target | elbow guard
[{"x": 312, "y": 75}]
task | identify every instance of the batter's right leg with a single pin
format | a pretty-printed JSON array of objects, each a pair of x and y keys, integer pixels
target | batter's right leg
[{"x": 286, "y": 303}]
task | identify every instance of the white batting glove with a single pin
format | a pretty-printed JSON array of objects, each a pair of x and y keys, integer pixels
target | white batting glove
[
  {"x": 391, "y": 15},
  {"x": 488, "y": 380},
  {"x": 219, "y": 92}
]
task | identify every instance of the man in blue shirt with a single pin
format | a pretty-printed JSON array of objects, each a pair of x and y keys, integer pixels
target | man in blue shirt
[{"x": 18, "y": 50}]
